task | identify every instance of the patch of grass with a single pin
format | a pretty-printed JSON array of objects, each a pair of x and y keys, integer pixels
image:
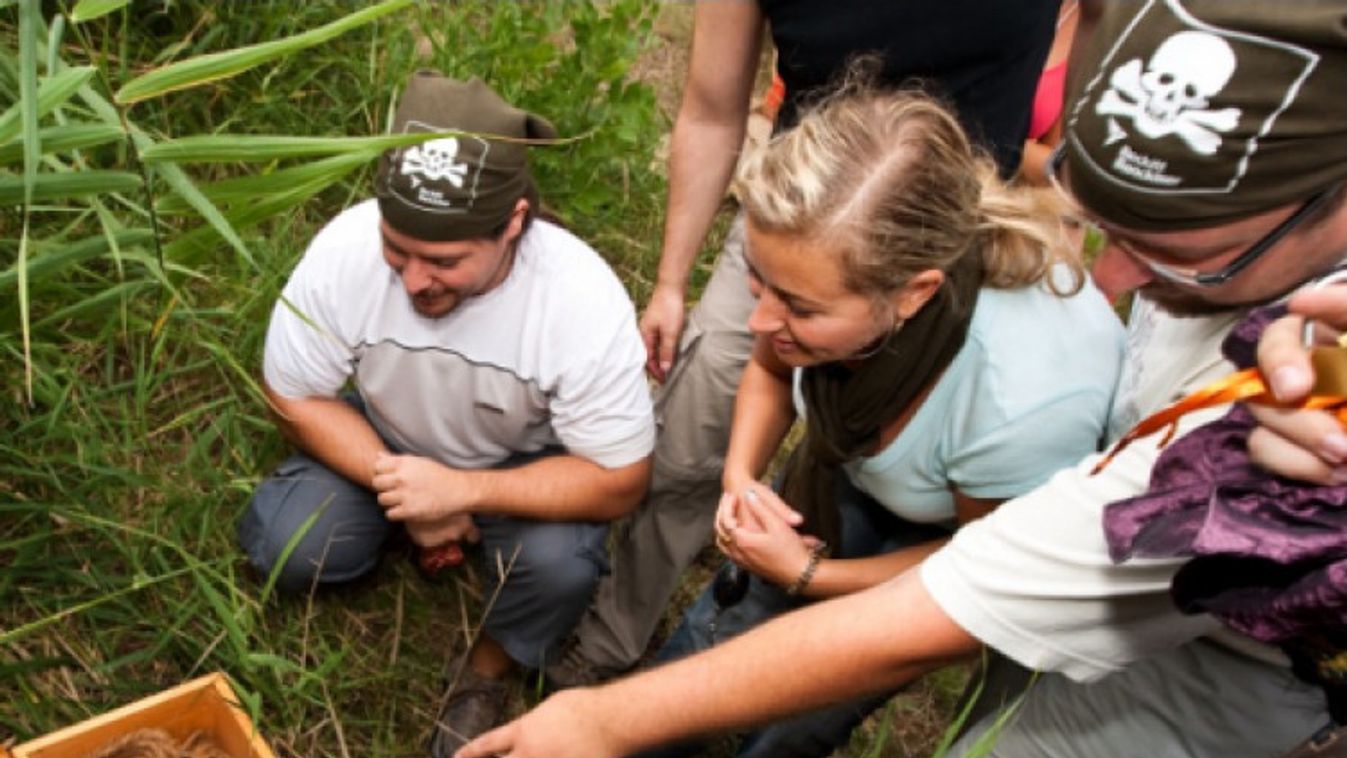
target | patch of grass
[
  {"x": 123, "y": 473},
  {"x": 122, "y": 477}
]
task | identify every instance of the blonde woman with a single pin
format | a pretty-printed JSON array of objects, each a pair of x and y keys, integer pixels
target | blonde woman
[{"x": 934, "y": 329}]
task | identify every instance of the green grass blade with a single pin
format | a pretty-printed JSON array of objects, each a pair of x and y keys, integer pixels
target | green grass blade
[
  {"x": 87, "y": 10},
  {"x": 219, "y": 148},
  {"x": 187, "y": 247},
  {"x": 227, "y": 616},
  {"x": 185, "y": 188},
  {"x": 56, "y": 139},
  {"x": 54, "y": 35},
  {"x": 222, "y": 65},
  {"x": 108, "y": 297},
  {"x": 174, "y": 176},
  {"x": 66, "y": 185},
  {"x": 247, "y": 188},
  {"x": 51, "y": 260},
  {"x": 51, "y": 92},
  {"x": 136, "y": 586},
  {"x": 30, "y": 24},
  {"x": 290, "y": 545},
  {"x": 21, "y": 277}
]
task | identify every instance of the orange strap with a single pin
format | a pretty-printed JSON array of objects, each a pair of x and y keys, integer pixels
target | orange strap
[{"x": 1246, "y": 386}]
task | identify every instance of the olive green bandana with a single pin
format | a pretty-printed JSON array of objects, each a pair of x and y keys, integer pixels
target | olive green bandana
[
  {"x": 461, "y": 186},
  {"x": 1192, "y": 113},
  {"x": 847, "y": 408}
]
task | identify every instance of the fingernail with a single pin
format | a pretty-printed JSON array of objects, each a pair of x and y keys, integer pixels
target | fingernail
[
  {"x": 1333, "y": 448},
  {"x": 664, "y": 366},
  {"x": 751, "y": 495},
  {"x": 1290, "y": 381}
]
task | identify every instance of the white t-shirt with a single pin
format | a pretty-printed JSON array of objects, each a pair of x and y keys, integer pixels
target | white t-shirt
[
  {"x": 1027, "y": 395},
  {"x": 1033, "y": 579},
  {"x": 551, "y": 356}
]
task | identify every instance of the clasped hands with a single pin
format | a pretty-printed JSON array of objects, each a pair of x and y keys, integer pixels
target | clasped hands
[
  {"x": 757, "y": 530},
  {"x": 432, "y": 501}
]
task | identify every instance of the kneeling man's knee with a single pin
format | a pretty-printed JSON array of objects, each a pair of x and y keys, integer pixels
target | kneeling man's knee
[{"x": 339, "y": 526}]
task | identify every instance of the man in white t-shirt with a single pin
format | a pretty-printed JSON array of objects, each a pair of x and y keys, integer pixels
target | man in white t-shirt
[
  {"x": 1208, "y": 140},
  {"x": 500, "y": 393}
]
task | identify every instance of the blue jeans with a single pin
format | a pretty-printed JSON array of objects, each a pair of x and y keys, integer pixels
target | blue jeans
[
  {"x": 545, "y": 591},
  {"x": 867, "y": 529}
]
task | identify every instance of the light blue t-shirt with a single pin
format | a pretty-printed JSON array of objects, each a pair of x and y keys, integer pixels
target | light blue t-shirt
[{"x": 1028, "y": 394}]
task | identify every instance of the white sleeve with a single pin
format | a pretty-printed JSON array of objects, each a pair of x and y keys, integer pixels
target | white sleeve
[
  {"x": 1033, "y": 579},
  {"x": 305, "y": 355},
  {"x": 602, "y": 408}
]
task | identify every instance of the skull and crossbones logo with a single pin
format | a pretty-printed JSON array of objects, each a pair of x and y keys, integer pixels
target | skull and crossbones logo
[
  {"x": 1172, "y": 94},
  {"x": 435, "y": 160}
]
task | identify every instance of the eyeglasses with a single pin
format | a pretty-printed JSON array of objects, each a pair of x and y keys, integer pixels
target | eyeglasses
[{"x": 1188, "y": 276}]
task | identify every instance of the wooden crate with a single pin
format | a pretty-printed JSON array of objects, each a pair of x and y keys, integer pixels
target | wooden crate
[{"x": 205, "y": 704}]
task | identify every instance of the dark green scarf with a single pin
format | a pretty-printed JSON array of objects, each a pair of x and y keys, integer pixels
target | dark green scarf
[{"x": 846, "y": 408}]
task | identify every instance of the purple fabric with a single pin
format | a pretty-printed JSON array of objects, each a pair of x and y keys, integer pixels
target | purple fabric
[{"x": 1269, "y": 553}]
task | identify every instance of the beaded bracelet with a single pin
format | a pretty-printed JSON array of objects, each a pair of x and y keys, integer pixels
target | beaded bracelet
[{"x": 815, "y": 555}]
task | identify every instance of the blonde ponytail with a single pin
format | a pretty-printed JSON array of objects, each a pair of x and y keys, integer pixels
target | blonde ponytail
[{"x": 1024, "y": 237}]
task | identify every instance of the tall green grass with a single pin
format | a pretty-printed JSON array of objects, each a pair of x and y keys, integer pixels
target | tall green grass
[{"x": 135, "y": 287}]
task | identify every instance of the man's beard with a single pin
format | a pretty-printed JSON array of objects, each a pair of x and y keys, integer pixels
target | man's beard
[
  {"x": 1184, "y": 303},
  {"x": 436, "y": 306}
]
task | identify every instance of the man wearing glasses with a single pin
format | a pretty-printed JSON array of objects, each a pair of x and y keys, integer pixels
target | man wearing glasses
[{"x": 1207, "y": 139}]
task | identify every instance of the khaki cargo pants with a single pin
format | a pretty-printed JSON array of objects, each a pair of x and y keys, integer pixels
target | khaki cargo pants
[{"x": 693, "y": 411}]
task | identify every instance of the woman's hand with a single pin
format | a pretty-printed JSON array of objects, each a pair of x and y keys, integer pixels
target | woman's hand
[{"x": 759, "y": 531}]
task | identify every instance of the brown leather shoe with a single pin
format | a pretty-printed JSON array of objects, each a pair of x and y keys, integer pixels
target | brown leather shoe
[{"x": 474, "y": 706}]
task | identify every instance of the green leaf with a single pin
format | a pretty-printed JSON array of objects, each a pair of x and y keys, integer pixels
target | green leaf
[
  {"x": 106, "y": 298},
  {"x": 247, "y": 188},
  {"x": 52, "y": 259},
  {"x": 87, "y": 10},
  {"x": 56, "y": 139},
  {"x": 218, "y": 148},
  {"x": 175, "y": 177},
  {"x": 20, "y": 632},
  {"x": 51, "y": 92},
  {"x": 215, "y": 66},
  {"x": 30, "y": 23},
  {"x": 186, "y": 189},
  {"x": 67, "y": 185},
  {"x": 188, "y": 246}
]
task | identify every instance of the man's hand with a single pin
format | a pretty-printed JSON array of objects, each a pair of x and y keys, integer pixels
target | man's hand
[
  {"x": 458, "y": 527},
  {"x": 661, "y": 328},
  {"x": 562, "y": 727},
  {"x": 1305, "y": 445},
  {"x": 416, "y": 489}
]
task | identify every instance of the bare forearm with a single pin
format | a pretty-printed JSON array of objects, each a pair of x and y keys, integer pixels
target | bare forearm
[
  {"x": 822, "y": 654},
  {"x": 847, "y": 575},
  {"x": 701, "y": 162},
  {"x": 709, "y": 129},
  {"x": 559, "y": 488},
  {"x": 331, "y": 431},
  {"x": 763, "y": 413}
]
